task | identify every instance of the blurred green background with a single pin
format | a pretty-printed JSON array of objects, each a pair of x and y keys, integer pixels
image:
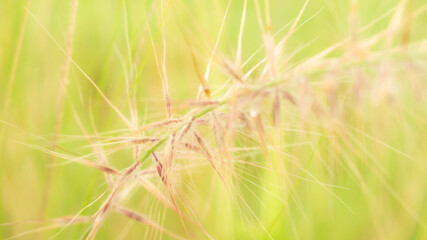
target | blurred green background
[{"x": 384, "y": 188}]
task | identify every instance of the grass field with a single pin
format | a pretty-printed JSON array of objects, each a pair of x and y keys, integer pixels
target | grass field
[{"x": 225, "y": 119}]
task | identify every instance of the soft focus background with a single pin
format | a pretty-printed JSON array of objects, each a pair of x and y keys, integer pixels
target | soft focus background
[{"x": 354, "y": 170}]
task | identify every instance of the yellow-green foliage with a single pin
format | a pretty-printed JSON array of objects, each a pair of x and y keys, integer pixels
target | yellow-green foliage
[{"x": 225, "y": 119}]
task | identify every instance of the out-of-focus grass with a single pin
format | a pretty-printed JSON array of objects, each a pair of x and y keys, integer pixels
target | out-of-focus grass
[{"x": 374, "y": 152}]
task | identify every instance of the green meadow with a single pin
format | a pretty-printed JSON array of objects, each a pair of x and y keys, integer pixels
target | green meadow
[{"x": 225, "y": 119}]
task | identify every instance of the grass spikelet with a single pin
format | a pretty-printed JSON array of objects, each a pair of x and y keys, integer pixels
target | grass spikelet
[
  {"x": 207, "y": 154},
  {"x": 245, "y": 120},
  {"x": 200, "y": 77},
  {"x": 218, "y": 132},
  {"x": 100, "y": 215},
  {"x": 288, "y": 97},
  {"x": 260, "y": 130},
  {"x": 185, "y": 130},
  {"x": 144, "y": 140},
  {"x": 232, "y": 71},
  {"x": 191, "y": 147},
  {"x": 144, "y": 220},
  {"x": 159, "y": 168}
]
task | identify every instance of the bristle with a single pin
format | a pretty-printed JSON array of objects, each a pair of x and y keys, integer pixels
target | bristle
[
  {"x": 158, "y": 124},
  {"x": 276, "y": 110},
  {"x": 260, "y": 129}
]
